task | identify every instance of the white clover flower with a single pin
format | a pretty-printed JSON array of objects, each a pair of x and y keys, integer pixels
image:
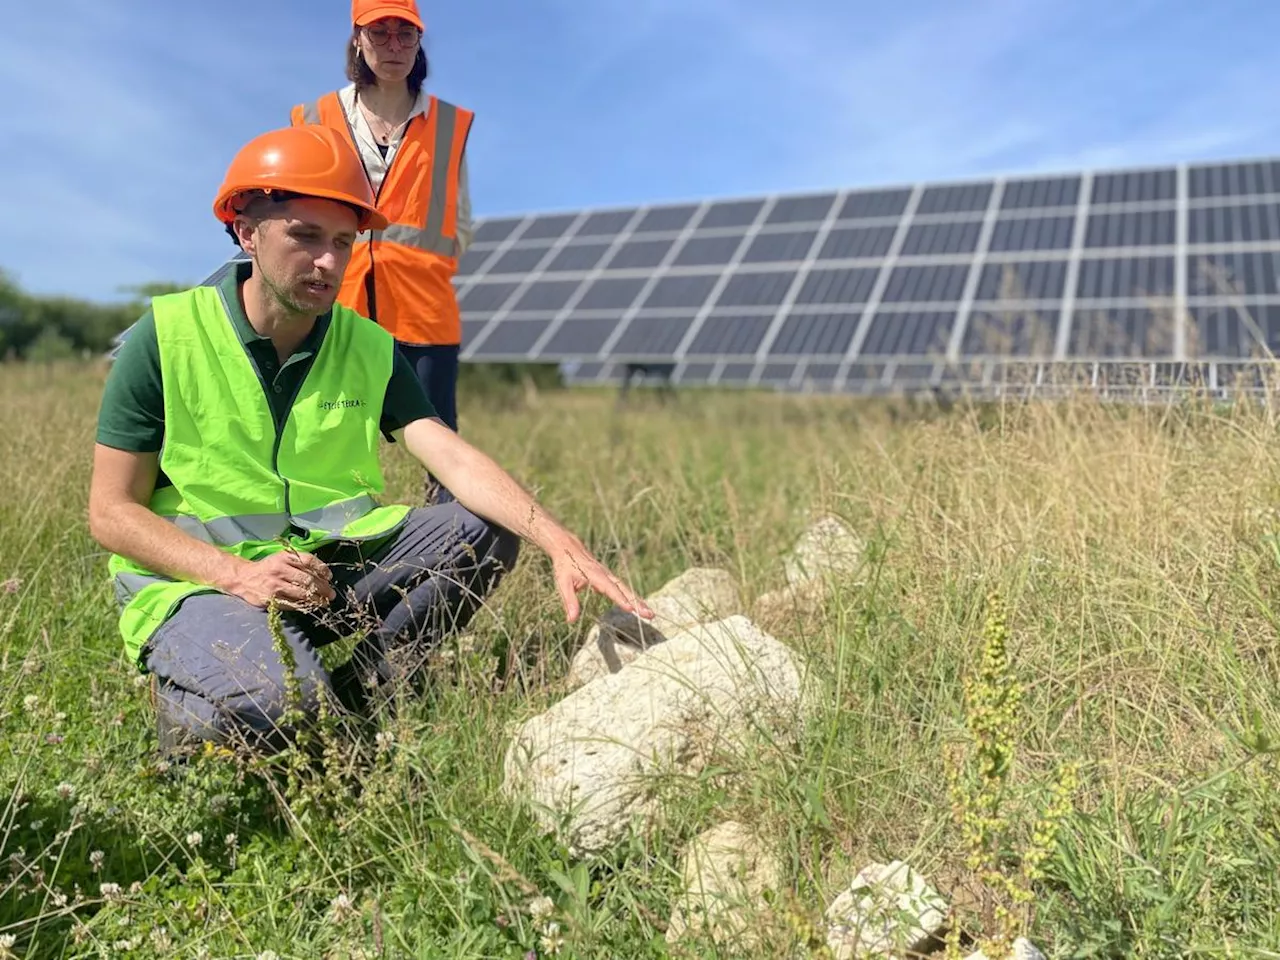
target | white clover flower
[
  {"x": 541, "y": 907},
  {"x": 7, "y": 942},
  {"x": 30, "y": 702},
  {"x": 268, "y": 955},
  {"x": 37, "y": 824},
  {"x": 551, "y": 940},
  {"x": 194, "y": 839},
  {"x": 66, "y": 791},
  {"x": 140, "y": 681},
  {"x": 342, "y": 907},
  {"x": 109, "y": 891},
  {"x": 95, "y": 860}
]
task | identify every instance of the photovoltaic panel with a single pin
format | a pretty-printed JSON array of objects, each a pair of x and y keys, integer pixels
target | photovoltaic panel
[
  {"x": 869, "y": 204},
  {"x": 1224, "y": 330},
  {"x": 729, "y": 335},
  {"x": 1234, "y": 273},
  {"x": 1121, "y": 332},
  {"x": 1022, "y": 332},
  {"x": 580, "y": 256},
  {"x": 640, "y": 254},
  {"x": 807, "y": 209},
  {"x": 664, "y": 219},
  {"x": 731, "y": 214},
  {"x": 704, "y": 251},
  {"x": 1027, "y": 233},
  {"x": 1006, "y": 282},
  {"x": 960, "y": 198},
  {"x": 1019, "y": 280},
  {"x": 611, "y": 293},
  {"x": 815, "y": 334},
  {"x": 922, "y": 284},
  {"x": 954, "y": 237},
  {"x": 838, "y": 285},
  {"x": 1235, "y": 179},
  {"x": 1144, "y": 228},
  {"x": 780, "y": 247},
  {"x": 545, "y": 295},
  {"x": 652, "y": 336},
  {"x": 1234, "y": 224},
  {"x": 581, "y": 337},
  {"x": 756, "y": 289},
  {"x": 681, "y": 290},
  {"x": 605, "y": 223},
  {"x": 1049, "y": 192},
  {"x": 1121, "y": 278},
  {"x": 913, "y": 332},
  {"x": 856, "y": 242}
]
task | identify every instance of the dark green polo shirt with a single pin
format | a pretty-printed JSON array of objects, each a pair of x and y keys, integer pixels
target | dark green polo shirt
[{"x": 131, "y": 416}]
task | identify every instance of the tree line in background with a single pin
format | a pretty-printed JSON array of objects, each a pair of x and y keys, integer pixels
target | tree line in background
[{"x": 44, "y": 329}]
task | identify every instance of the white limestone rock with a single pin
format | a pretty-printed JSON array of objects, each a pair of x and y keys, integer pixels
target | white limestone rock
[
  {"x": 589, "y": 766},
  {"x": 699, "y": 595},
  {"x": 726, "y": 874}
]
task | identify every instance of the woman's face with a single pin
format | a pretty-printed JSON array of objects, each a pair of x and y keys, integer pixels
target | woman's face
[{"x": 389, "y": 46}]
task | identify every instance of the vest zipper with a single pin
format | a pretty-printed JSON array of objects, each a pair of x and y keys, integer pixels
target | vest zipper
[{"x": 288, "y": 412}]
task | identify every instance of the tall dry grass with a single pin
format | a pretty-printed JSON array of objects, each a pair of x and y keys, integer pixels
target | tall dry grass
[{"x": 1136, "y": 549}]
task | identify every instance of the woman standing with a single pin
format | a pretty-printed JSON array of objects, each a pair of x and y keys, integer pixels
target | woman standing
[{"x": 413, "y": 146}]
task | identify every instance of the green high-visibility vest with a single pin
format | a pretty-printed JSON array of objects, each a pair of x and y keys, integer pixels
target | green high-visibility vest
[{"x": 237, "y": 482}]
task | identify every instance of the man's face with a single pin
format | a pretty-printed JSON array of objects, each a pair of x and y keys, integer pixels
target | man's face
[{"x": 301, "y": 250}]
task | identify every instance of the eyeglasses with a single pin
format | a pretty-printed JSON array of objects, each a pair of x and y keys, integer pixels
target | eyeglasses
[{"x": 408, "y": 36}]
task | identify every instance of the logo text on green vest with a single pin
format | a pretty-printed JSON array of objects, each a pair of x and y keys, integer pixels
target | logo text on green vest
[{"x": 341, "y": 404}]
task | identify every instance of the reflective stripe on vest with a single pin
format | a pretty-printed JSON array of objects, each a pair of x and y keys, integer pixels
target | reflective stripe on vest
[
  {"x": 333, "y": 519},
  {"x": 228, "y": 531}
]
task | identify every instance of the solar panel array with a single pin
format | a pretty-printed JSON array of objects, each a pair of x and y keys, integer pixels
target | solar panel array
[
  {"x": 1119, "y": 279},
  {"x": 1162, "y": 276}
]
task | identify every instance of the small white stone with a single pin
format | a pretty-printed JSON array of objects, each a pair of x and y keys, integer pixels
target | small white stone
[
  {"x": 886, "y": 910},
  {"x": 1023, "y": 949},
  {"x": 726, "y": 874},
  {"x": 828, "y": 548}
]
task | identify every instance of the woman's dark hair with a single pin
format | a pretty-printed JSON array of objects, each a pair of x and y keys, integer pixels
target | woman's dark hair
[{"x": 358, "y": 71}]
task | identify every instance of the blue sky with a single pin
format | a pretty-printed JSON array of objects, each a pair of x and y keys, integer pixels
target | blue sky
[{"x": 121, "y": 117}]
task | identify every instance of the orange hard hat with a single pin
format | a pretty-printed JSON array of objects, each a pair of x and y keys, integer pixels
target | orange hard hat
[
  {"x": 366, "y": 11},
  {"x": 311, "y": 160}
]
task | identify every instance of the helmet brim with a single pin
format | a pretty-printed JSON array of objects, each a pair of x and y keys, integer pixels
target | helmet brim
[{"x": 368, "y": 217}]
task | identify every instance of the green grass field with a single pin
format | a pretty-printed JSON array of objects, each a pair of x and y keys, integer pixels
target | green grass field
[{"x": 1138, "y": 554}]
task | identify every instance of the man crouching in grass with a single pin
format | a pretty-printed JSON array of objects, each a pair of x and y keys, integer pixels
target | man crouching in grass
[{"x": 236, "y": 465}]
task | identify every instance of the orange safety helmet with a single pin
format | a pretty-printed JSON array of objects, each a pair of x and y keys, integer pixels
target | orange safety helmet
[
  {"x": 366, "y": 11},
  {"x": 311, "y": 160}
]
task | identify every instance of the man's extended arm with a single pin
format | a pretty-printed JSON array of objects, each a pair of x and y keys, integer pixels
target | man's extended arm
[
  {"x": 488, "y": 491},
  {"x": 122, "y": 523}
]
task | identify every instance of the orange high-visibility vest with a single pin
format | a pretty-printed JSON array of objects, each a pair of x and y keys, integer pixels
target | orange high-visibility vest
[{"x": 402, "y": 277}]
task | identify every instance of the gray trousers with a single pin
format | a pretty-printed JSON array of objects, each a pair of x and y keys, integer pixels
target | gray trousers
[{"x": 219, "y": 677}]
